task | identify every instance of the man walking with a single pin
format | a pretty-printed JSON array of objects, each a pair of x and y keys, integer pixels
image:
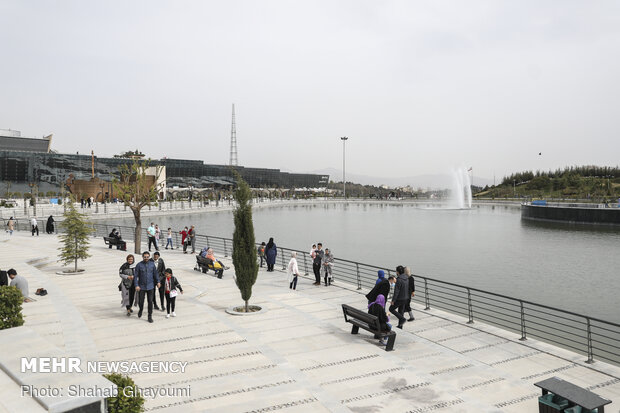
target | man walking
[
  {"x": 192, "y": 238},
  {"x": 161, "y": 267},
  {"x": 151, "y": 234},
  {"x": 35, "y": 226},
  {"x": 401, "y": 294},
  {"x": 316, "y": 263},
  {"x": 145, "y": 279}
]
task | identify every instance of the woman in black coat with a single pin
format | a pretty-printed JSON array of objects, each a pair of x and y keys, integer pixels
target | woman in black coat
[
  {"x": 271, "y": 252},
  {"x": 377, "y": 308},
  {"x": 49, "y": 227}
]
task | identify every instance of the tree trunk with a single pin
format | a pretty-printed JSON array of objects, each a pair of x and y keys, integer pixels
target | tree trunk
[
  {"x": 138, "y": 234},
  {"x": 246, "y": 306},
  {"x": 76, "y": 258}
]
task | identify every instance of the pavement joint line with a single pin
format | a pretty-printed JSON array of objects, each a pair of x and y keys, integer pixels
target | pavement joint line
[
  {"x": 77, "y": 338},
  {"x": 319, "y": 393}
]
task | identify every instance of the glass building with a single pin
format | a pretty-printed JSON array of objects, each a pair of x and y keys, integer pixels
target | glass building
[{"x": 25, "y": 160}]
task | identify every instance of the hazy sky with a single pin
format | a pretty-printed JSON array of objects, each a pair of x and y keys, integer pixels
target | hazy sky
[{"x": 419, "y": 87}]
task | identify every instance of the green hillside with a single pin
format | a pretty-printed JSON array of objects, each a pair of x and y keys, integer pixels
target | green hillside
[{"x": 595, "y": 183}]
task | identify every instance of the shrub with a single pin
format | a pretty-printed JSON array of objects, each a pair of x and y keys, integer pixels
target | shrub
[
  {"x": 11, "y": 300},
  {"x": 121, "y": 403}
]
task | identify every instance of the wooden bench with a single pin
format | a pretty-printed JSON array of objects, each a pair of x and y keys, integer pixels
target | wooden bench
[
  {"x": 114, "y": 241},
  {"x": 204, "y": 264},
  {"x": 368, "y": 322},
  {"x": 562, "y": 396}
]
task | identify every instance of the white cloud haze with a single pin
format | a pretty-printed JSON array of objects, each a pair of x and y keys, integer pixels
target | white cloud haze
[{"x": 419, "y": 87}]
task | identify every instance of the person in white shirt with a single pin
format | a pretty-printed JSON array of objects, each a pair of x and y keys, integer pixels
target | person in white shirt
[
  {"x": 293, "y": 271},
  {"x": 35, "y": 226}
]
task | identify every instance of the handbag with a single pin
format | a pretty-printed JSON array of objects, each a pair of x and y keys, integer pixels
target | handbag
[{"x": 173, "y": 293}]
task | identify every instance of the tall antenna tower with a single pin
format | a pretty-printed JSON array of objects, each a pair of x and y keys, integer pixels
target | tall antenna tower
[{"x": 233, "y": 140}]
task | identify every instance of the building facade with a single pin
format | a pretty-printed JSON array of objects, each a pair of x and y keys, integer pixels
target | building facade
[{"x": 33, "y": 163}]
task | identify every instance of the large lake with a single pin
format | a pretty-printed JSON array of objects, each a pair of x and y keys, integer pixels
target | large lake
[{"x": 572, "y": 267}]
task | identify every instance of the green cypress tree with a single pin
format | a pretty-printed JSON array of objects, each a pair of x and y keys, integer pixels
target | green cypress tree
[
  {"x": 244, "y": 246},
  {"x": 75, "y": 236}
]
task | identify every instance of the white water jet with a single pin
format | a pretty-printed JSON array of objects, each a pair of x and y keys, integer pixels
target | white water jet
[{"x": 460, "y": 195}]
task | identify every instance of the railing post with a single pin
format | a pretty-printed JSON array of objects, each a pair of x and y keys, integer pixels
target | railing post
[
  {"x": 523, "y": 332},
  {"x": 427, "y": 300},
  {"x": 470, "y": 309},
  {"x": 359, "y": 280},
  {"x": 305, "y": 265},
  {"x": 208, "y": 244},
  {"x": 225, "y": 250},
  {"x": 590, "y": 359},
  {"x": 282, "y": 254}
]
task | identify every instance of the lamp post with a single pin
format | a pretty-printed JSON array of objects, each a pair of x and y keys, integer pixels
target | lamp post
[
  {"x": 102, "y": 185},
  {"x": 344, "y": 181}
]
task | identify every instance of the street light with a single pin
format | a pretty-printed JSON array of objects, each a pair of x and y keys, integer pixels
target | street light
[{"x": 344, "y": 181}]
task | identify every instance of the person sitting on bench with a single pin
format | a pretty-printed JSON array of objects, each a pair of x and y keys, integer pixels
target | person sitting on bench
[
  {"x": 211, "y": 257},
  {"x": 377, "y": 308},
  {"x": 116, "y": 237}
]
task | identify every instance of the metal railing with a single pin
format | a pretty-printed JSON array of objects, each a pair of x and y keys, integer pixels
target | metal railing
[{"x": 590, "y": 336}]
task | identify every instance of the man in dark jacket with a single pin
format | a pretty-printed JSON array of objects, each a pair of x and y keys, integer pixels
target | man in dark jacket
[
  {"x": 145, "y": 279},
  {"x": 401, "y": 293},
  {"x": 382, "y": 287},
  {"x": 161, "y": 267},
  {"x": 317, "y": 260},
  {"x": 411, "y": 293}
]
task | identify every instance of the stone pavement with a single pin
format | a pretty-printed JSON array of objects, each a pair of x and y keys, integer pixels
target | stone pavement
[{"x": 297, "y": 356}]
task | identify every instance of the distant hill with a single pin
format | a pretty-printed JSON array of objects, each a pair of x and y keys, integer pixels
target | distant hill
[{"x": 438, "y": 181}]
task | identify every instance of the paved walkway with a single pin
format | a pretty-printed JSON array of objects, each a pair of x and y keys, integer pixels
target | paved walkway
[{"x": 298, "y": 356}]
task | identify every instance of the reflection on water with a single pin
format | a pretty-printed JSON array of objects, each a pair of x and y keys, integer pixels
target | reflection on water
[{"x": 573, "y": 267}]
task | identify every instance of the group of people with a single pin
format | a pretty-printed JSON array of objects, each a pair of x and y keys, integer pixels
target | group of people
[
  {"x": 154, "y": 234},
  {"x": 118, "y": 240},
  {"x": 147, "y": 278},
  {"x": 403, "y": 287},
  {"x": 267, "y": 253},
  {"x": 188, "y": 238},
  {"x": 34, "y": 224},
  {"x": 322, "y": 260}
]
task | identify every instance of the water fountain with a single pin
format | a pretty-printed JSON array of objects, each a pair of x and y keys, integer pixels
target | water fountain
[{"x": 460, "y": 194}]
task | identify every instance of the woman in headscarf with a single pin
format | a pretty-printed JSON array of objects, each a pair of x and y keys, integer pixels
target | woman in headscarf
[
  {"x": 271, "y": 252},
  {"x": 11, "y": 226},
  {"x": 328, "y": 263},
  {"x": 292, "y": 271},
  {"x": 377, "y": 308},
  {"x": 380, "y": 276},
  {"x": 49, "y": 227},
  {"x": 126, "y": 286}
]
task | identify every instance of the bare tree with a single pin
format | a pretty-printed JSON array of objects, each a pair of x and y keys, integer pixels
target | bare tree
[{"x": 137, "y": 189}]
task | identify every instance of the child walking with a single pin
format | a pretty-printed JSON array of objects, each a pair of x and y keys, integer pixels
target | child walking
[
  {"x": 172, "y": 288},
  {"x": 169, "y": 239}
]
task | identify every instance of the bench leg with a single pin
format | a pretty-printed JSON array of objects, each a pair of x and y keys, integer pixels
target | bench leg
[
  {"x": 355, "y": 329},
  {"x": 390, "y": 343}
]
